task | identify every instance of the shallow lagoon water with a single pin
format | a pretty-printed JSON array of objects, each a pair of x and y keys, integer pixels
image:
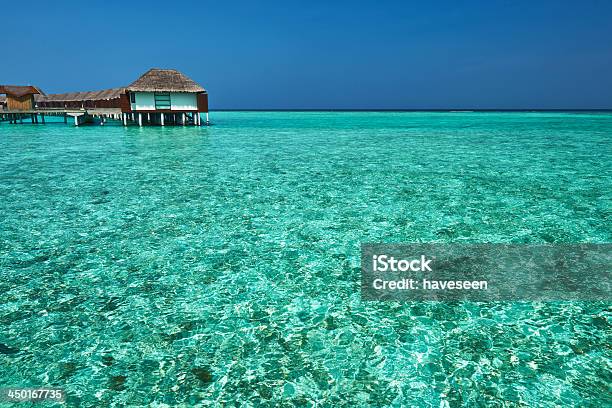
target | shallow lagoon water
[{"x": 201, "y": 266}]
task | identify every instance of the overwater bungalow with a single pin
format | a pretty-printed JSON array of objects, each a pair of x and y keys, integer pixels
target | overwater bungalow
[
  {"x": 162, "y": 95},
  {"x": 19, "y": 97},
  {"x": 159, "y": 97}
]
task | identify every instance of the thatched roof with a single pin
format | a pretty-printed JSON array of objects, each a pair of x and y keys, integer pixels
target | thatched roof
[
  {"x": 20, "y": 90},
  {"x": 83, "y": 96},
  {"x": 164, "y": 80}
]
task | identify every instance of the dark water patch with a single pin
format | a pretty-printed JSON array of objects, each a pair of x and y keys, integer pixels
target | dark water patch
[
  {"x": 112, "y": 304},
  {"x": 66, "y": 306},
  {"x": 133, "y": 268},
  {"x": 259, "y": 315},
  {"x": 203, "y": 374},
  {"x": 600, "y": 322},
  {"x": 100, "y": 197},
  {"x": 330, "y": 323},
  {"x": 4, "y": 349},
  {"x": 182, "y": 334},
  {"x": 68, "y": 369},
  {"x": 26, "y": 263},
  {"x": 117, "y": 382},
  {"x": 16, "y": 316},
  {"x": 108, "y": 360},
  {"x": 265, "y": 391}
]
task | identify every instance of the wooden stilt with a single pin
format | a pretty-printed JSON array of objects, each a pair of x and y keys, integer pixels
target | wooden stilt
[
  {"x": 162, "y": 119},
  {"x": 140, "y": 119}
]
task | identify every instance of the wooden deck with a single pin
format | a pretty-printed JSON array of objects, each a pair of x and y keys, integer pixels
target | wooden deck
[
  {"x": 62, "y": 111},
  {"x": 80, "y": 116},
  {"x": 91, "y": 115}
]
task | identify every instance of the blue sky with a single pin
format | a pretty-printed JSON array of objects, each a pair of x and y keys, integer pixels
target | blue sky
[{"x": 324, "y": 54}]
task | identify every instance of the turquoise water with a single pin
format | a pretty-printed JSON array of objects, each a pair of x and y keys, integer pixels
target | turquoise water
[{"x": 202, "y": 266}]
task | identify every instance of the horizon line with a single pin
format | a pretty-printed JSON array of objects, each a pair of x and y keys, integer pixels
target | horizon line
[{"x": 457, "y": 110}]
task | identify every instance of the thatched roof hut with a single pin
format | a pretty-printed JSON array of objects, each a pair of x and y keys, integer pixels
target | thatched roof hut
[
  {"x": 159, "y": 96},
  {"x": 164, "y": 80},
  {"x": 19, "y": 91},
  {"x": 107, "y": 98},
  {"x": 105, "y": 94},
  {"x": 19, "y": 97}
]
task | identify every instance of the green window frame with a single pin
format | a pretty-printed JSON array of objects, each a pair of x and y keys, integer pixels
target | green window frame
[{"x": 162, "y": 100}]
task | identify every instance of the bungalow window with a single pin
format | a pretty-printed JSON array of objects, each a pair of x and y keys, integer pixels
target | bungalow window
[
  {"x": 132, "y": 97},
  {"x": 162, "y": 100}
]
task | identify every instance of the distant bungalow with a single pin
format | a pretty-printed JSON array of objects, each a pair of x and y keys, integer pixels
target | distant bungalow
[
  {"x": 158, "y": 97},
  {"x": 18, "y": 97}
]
